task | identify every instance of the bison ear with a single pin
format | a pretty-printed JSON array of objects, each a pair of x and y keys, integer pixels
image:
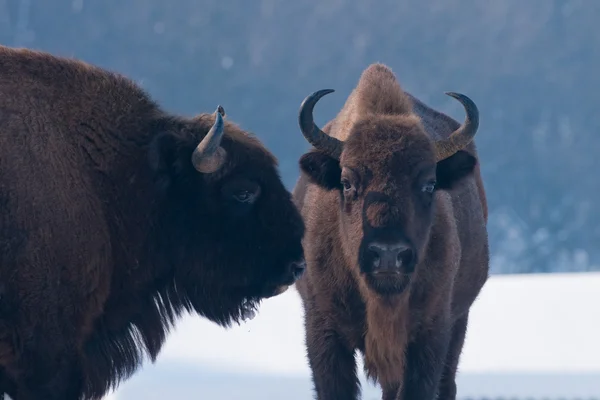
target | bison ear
[
  {"x": 454, "y": 168},
  {"x": 321, "y": 169},
  {"x": 163, "y": 158}
]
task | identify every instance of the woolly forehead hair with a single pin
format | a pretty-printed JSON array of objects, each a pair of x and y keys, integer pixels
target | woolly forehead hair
[{"x": 377, "y": 93}]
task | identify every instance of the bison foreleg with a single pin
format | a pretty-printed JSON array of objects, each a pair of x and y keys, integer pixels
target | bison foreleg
[
  {"x": 390, "y": 392},
  {"x": 425, "y": 363},
  {"x": 448, "y": 383},
  {"x": 331, "y": 361}
]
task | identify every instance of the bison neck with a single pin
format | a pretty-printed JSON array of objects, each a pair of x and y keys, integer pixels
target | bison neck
[{"x": 133, "y": 324}]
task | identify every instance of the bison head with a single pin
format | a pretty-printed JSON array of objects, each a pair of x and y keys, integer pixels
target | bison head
[
  {"x": 387, "y": 173},
  {"x": 228, "y": 225}
]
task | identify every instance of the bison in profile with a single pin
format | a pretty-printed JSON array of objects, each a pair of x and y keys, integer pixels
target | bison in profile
[
  {"x": 396, "y": 241},
  {"x": 115, "y": 218}
]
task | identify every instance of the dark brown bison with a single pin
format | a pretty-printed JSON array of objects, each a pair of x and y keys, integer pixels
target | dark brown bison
[
  {"x": 396, "y": 243},
  {"x": 115, "y": 218}
]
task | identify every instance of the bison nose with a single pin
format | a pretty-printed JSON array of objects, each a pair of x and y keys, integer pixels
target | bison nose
[
  {"x": 390, "y": 256},
  {"x": 297, "y": 269}
]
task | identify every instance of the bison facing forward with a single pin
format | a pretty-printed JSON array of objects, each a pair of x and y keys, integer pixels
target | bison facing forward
[
  {"x": 115, "y": 218},
  {"x": 396, "y": 241}
]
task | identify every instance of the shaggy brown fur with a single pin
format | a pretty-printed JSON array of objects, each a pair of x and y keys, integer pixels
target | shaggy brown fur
[
  {"x": 409, "y": 321},
  {"x": 108, "y": 232}
]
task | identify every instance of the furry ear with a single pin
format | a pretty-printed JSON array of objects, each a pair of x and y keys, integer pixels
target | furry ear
[
  {"x": 161, "y": 152},
  {"x": 454, "y": 168},
  {"x": 321, "y": 169},
  {"x": 163, "y": 158}
]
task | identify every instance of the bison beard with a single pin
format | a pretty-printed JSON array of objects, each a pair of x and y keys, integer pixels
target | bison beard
[
  {"x": 116, "y": 218},
  {"x": 122, "y": 352},
  {"x": 396, "y": 242}
]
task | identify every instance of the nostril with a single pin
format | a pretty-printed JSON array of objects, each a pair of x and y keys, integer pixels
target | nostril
[
  {"x": 375, "y": 257},
  {"x": 390, "y": 256},
  {"x": 375, "y": 251},
  {"x": 407, "y": 252},
  {"x": 403, "y": 253}
]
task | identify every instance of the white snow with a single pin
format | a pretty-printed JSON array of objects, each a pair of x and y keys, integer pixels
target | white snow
[
  {"x": 541, "y": 323},
  {"x": 519, "y": 323}
]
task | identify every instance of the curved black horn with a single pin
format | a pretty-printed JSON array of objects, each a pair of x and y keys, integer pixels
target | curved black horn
[
  {"x": 464, "y": 134},
  {"x": 209, "y": 156},
  {"x": 315, "y": 136}
]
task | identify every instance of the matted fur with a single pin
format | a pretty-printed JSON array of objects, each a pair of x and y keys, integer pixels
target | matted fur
[
  {"x": 411, "y": 338},
  {"x": 108, "y": 233}
]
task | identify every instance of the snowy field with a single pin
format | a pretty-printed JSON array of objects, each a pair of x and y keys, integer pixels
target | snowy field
[{"x": 529, "y": 336}]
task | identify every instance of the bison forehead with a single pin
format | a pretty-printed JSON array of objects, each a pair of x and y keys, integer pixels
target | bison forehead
[
  {"x": 390, "y": 161},
  {"x": 388, "y": 142}
]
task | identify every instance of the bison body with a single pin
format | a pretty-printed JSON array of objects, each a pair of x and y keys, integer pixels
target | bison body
[
  {"x": 115, "y": 218},
  {"x": 396, "y": 241}
]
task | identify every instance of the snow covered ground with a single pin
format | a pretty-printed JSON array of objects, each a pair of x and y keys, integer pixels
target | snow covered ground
[{"x": 529, "y": 335}]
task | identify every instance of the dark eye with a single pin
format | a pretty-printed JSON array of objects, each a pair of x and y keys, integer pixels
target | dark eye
[
  {"x": 244, "y": 196},
  {"x": 429, "y": 187},
  {"x": 346, "y": 185}
]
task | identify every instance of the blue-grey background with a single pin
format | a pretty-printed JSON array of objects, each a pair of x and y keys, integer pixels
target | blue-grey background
[{"x": 531, "y": 66}]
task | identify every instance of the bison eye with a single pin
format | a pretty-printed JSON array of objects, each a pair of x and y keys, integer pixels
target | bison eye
[
  {"x": 346, "y": 185},
  {"x": 429, "y": 187},
  {"x": 245, "y": 196}
]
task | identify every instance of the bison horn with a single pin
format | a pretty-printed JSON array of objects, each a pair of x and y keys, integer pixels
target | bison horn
[
  {"x": 315, "y": 136},
  {"x": 209, "y": 156},
  {"x": 464, "y": 134}
]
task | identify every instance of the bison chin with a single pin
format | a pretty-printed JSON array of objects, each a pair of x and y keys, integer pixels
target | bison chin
[
  {"x": 388, "y": 283},
  {"x": 248, "y": 310},
  {"x": 277, "y": 291},
  {"x": 228, "y": 309},
  {"x": 249, "y": 305},
  {"x": 233, "y": 305}
]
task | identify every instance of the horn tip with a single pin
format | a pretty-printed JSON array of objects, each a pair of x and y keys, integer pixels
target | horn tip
[
  {"x": 460, "y": 97},
  {"x": 309, "y": 101},
  {"x": 219, "y": 117},
  {"x": 320, "y": 93},
  {"x": 220, "y": 110},
  {"x": 312, "y": 98},
  {"x": 465, "y": 100}
]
